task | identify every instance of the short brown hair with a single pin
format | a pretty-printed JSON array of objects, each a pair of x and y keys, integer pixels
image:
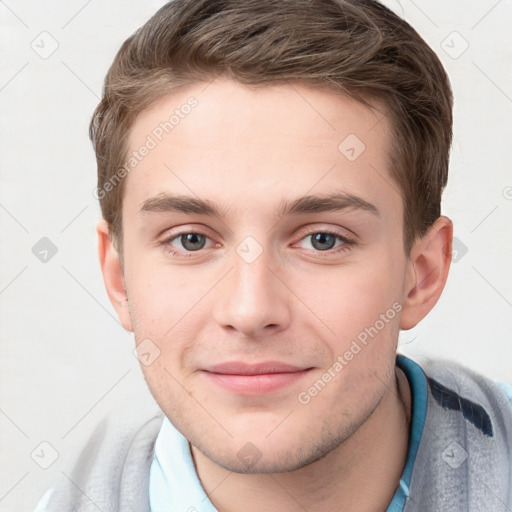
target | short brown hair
[{"x": 357, "y": 47}]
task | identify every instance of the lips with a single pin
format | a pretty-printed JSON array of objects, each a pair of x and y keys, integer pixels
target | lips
[
  {"x": 254, "y": 379},
  {"x": 240, "y": 368}
]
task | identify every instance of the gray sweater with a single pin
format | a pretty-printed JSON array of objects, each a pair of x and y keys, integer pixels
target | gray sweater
[{"x": 463, "y": 460}]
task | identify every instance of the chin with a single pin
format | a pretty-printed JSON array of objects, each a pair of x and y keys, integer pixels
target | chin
[{"x": 266, "y": 456}]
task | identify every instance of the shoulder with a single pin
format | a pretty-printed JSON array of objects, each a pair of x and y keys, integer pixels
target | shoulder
[
  {"x": 111, "y": 471},
  {"x": 464, "y": 457},
  {"x": 476, "y": 399},
  {"x": 448, "y": 379}
]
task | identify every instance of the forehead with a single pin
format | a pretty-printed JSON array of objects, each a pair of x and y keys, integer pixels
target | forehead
[{"x": 228, "y": 141}]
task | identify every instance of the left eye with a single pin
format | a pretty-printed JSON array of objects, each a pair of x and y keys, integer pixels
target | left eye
[{"x": 322, "y": 241}]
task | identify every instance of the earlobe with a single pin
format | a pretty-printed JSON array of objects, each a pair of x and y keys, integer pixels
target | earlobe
[
  {"x": 113, "y": 274},
  {"x": 429, "y": 265}
]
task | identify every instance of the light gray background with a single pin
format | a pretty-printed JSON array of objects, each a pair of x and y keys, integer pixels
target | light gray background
[{"x": 65, "y": 360}]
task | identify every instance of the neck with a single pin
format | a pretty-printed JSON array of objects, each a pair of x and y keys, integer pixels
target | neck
[{"x": 360, "y": 474}]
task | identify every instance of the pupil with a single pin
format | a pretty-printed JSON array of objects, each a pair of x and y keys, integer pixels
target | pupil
[
  {"x": 191, "y": 241},
  {"x": 323, "y": 241}
]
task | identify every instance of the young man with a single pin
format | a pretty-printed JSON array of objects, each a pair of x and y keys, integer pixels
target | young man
[{"x": 270, "y": 177}]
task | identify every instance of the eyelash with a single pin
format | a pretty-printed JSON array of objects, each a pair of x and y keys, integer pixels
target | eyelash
[{"x": 347, "y": 243}]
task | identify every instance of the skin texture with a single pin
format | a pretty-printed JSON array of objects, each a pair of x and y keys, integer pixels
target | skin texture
[{"x": 247, "y": 151}]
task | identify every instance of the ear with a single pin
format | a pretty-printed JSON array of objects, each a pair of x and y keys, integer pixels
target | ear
[
  {"x": 113, "y": 274},
  {"x": 429, "y": 264}
]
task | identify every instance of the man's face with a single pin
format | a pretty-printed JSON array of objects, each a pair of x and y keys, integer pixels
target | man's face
[{"x": 306, "y": 296}]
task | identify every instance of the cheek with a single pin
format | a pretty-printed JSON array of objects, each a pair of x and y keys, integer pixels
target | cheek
[
  {"x": 159, "y": 299},
  {"x": 164, "y": 383},
  {"x": 351, "y": 298}
]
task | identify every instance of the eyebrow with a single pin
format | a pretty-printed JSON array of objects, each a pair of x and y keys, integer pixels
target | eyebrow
[{"x": 164, "y": 203}]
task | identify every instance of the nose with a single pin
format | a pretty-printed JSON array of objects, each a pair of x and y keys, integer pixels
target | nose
[{"x": 252, "y": 300}]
